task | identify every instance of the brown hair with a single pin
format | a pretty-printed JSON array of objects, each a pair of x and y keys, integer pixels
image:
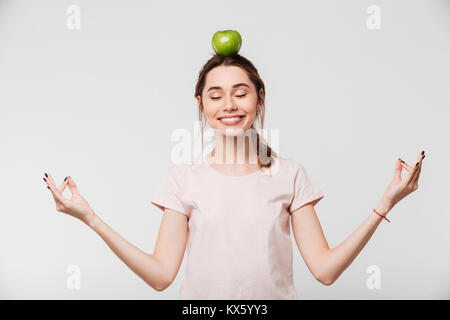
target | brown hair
[{"x": 252, "y": 72}]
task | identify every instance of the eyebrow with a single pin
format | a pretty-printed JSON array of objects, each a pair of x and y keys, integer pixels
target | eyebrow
[{"x": 234, "y": 86}]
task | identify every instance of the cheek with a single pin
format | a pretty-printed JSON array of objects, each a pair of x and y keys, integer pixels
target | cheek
[
  {"x": 250, "y": 108},
  {"x": 252, "y": 118},
  {"x": 250, "y": 103},
  {"x": 210, "y": 111},
  {"x": 206, "y": 111}
]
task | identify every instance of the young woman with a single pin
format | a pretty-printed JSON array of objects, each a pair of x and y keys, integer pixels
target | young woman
[{"x": 233, "y": 215}]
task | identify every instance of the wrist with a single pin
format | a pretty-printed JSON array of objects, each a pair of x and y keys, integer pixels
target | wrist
[
  {"x": 91, "y": 220},
  {"x": 383, "y": 208}
]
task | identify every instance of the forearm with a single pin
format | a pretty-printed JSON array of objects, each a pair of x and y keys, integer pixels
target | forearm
[
  {"x": 337, "y": 259},
  {"x": 145, "y": 265}
]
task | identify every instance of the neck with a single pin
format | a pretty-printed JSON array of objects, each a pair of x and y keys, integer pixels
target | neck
[{"x": 234, "y": 149}]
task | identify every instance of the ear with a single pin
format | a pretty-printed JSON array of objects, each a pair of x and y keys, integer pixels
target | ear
[
  {"x": 261, "y": 93},
  {"x": 199, "y": 101}
]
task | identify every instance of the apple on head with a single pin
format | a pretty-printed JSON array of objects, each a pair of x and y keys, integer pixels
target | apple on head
[{"x": 226, "y": 42}]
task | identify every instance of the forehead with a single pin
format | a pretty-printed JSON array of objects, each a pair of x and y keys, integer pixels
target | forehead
[{"x": 225, "y": 77}]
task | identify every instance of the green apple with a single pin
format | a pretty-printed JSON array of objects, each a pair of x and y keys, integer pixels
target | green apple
[{"x": 226, "y": 42}]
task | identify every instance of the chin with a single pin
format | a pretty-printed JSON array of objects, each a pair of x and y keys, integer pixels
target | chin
[{"x": 233, "y": 132}]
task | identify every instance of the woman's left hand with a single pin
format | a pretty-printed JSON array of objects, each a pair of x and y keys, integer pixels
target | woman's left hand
[{"x": 398, "y": 188}]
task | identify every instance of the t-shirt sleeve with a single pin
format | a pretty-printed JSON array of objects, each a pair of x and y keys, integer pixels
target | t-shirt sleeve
[
  {"x": 305, "y": 189},
  {"x": 168, "y": 194}
]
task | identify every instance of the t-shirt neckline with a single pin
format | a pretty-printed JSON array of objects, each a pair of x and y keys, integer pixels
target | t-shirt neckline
[{"x": 229, "y": 176}]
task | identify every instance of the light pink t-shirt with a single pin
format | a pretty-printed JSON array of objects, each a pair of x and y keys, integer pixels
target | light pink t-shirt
[{"x": 239, "y": 244}]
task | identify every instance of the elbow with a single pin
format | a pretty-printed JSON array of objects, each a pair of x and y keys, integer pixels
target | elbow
[
  {"x": 326, "y": 280},
  {"x": 162, "y": 285},
  {"x": 160, "y": 288},
  {"x": 159, "y": 285},
  {"x": 162, "y": 280}
]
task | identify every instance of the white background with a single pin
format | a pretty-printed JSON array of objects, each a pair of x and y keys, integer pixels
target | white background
[{"x": 100, "y": 104}]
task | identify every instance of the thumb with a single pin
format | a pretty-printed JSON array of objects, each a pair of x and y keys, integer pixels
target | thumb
[
  {"x": 398, "y": 170},
  {"x": 63, "y": 185},
  {"x": 72, "y": 186}
]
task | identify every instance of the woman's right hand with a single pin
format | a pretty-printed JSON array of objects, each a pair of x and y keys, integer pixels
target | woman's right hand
[{"x": 76, "y": 206}]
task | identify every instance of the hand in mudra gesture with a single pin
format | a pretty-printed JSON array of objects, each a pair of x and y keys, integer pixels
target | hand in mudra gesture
[
  {"x": 76, "y": 206},
  {"x": 400, "y": 188}
]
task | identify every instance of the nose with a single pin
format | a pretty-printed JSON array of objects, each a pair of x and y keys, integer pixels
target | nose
[{"x": 229, "y": 105}]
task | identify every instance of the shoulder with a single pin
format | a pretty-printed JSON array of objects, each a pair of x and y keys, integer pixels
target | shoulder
[
  {"x": 290, "y": 165},
  {"x": 282, "y": 167},
  {"x": 183, "y": 169},
  {"x": 177, "y": 170}
]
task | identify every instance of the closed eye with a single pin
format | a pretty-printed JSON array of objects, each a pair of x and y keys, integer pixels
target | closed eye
[{"x": 241, "y": 96}]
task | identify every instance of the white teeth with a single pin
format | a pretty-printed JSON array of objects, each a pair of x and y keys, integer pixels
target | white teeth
[{"x": 230, "y": 119}]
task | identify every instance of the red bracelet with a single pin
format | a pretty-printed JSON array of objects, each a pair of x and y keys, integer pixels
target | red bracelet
[{"x": 381, "y": 215}]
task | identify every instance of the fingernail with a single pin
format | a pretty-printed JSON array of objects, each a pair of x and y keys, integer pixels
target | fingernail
[
  {"x": 65, "y": 178},
  {"x": 423, "y": 156},
  {"x": 48, "y": 187},
  {"x": 423, "y": 152},
  {"x": 46, "y": 175},
  {"x": 44, "y": 179},
  {"x": 401, "y": 160},
  {"x": 417, "y": 164}
]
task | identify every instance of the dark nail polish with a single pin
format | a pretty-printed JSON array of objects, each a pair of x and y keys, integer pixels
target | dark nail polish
[
  {"x": 48, "y": 187},
  {"x": 402, "y": 161},
  {"x": 423, "y": 156},
  {"x": 46, "y": 175},
  {"x": 44, "y": 179},
  {"x": 423, "y": 152},
  {"x": 417, "y": 164},
  {"x": 65, "y": 178}
]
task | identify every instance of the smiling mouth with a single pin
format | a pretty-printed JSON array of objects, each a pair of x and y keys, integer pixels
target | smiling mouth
[{"x": 231, "y": 120}]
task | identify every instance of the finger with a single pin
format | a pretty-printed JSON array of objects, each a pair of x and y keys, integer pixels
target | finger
[
  {"x": 50, "y": 181},
  {"x": 416, "y": 176},
  {"x": 403, "y": 165},
  {"x": 407, "y": 167},
  {"x": 63, "y": 185},
  {"x": 398, "y": 170},
  {"x": 415, "y": 170},
  {"x": 72, "y": 186},
  {"x": 51, "y": 185}
]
